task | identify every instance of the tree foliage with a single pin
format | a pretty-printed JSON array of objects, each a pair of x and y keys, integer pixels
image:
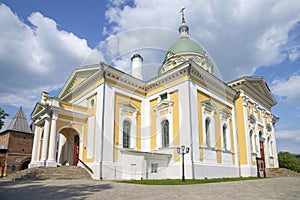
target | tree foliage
[
  {"x": 289, "y": 161},
  {"x": 3, "y": 115}
]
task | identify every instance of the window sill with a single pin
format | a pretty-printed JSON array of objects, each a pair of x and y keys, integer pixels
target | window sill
[
  {"x": 208, "y": 148},
  {"x": 227, "y": 151}
]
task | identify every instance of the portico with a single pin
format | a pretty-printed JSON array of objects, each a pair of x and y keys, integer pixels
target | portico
[{"x": 51, "y": 120}]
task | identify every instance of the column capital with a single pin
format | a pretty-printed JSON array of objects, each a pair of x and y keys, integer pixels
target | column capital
[{"x": 54, "y": 116}]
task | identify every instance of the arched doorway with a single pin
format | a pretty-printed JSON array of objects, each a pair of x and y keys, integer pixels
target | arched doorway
[
  {"x": 68, "y": 148},
  {"x": 25, "y": 164}
]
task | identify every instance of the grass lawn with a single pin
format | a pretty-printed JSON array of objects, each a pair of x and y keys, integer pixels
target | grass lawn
[{"x": 187, "y": 182}]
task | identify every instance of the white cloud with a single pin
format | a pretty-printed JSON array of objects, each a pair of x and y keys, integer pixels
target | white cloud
[
  {"x": 289, "y": 134},
  {"x": 288, "y": 140},
  {"x": 288, "y": 90},
  {"x": 294, "y": 55},
  {"x": 239, "y": 35},
  {"x": 36, "y": 58}
]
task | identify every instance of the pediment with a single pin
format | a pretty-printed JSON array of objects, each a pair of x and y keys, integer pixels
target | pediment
[
  {"x": 261, "y": 87},
  {"x": 209, "y": 105},
  {"x": 225, "y": 113},
  {"x": 38, "y": 108},
  {"x": 128, "y": 107},
  {"x": 163, "y": 105},
  {"x": 78, "y": 76}
]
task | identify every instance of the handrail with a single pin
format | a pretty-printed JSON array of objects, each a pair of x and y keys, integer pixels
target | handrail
[{"x": 86, "y": 166}]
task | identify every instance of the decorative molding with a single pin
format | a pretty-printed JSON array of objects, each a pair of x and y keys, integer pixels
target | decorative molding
[
  {"x": 209, "y": 105},
  {"x": 225, "y": 113},
  {"x": 163, "y": 105},
  {"x": 128, "y": 107},
  {"x": 252, "y": 119},
  {"x": 268, "y": 127}
]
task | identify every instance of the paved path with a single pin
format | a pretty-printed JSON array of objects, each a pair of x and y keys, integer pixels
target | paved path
[{"x": 271, "y": 188}]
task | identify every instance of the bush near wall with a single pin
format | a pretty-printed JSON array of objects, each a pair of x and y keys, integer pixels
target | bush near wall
[{"x": 289, "y": 161}]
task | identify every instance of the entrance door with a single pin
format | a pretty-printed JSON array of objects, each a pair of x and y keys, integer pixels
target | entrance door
[
  {"x": 76, "y": 150},
  {"x": 262, "y": 151}
]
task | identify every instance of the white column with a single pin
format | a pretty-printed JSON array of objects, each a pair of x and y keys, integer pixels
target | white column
[
  {"x": 60, "y": 145},
  {"x": 35, "y": 148},
  {"x": 52, "y": 143},
  {"x": 45, "y": 140}
]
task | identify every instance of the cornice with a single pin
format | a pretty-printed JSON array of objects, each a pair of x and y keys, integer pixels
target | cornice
[
  {"x": 248, "y": 87},
  {"x": 124, "y": 80},
  {"x": 214, "y": 84}
]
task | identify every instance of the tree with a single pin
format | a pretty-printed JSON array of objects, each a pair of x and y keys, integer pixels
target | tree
[
  {"x": 289, "y": 161},
  {"x": 3, "y": 115}
]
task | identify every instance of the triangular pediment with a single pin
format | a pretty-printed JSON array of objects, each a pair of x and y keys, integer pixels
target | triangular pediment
[
  {"x": 256, "y": 87},
  {"x": 128, "y": 107},
  {"x": 38, "y": 108},
  {"x": 261, "y": 87},
  {"x": 163, "y": 105},
  {"x": 78, "y": 76},
  {"x": 209, "y": 105},
  {"x": 225, "y": 113}
]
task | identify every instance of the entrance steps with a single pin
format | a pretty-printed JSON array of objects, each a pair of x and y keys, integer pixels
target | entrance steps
[
  {"x": 51, "y": 173},
  {"x": 279, "y": 172}
]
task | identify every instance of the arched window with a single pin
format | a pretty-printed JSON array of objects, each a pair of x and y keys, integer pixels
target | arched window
[
  {"x": 260, "y": 134},
  {"x": 224, "y": 136},
  {"x": 126, "y": 134},
  {"x": 251, "y": 138},
  {"x": 165, "y": 133},
  {"x": 207, "y": 131}
]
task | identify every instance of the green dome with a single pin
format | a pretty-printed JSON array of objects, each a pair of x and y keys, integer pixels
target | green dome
[{"x": 186, "y": 45}]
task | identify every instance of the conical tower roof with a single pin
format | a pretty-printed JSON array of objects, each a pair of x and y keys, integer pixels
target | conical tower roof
[{"x": 19, "y": 123}]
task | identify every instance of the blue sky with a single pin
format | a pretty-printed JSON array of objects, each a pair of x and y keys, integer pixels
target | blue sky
[{"x": 43, "y": 41}]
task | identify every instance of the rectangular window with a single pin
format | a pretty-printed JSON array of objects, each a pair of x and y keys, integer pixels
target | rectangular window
[
  {"x": 163, "y": 96},
  {"x": 154, "y": 167}
]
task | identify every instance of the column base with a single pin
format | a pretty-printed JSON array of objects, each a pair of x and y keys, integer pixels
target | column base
[
  {"x": 32, "y": 165},
  {"x": 41, "y": 163},
  {"x": 51, "y": 164}
]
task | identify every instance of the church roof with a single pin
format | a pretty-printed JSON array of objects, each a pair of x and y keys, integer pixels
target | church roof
[
  {"x": 19, "y": 123},
  {"x": 183, "y": 49},
  {"x": 186, "y": 45}
]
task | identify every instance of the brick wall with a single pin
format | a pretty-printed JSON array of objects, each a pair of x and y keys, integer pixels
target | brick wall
[
  {"x": 19, "y": 151},
  {"x": 20, "y": 142},
  {"x": 4, "y": 139}
]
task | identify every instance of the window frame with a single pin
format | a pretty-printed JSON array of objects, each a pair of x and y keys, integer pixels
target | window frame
[
  {"x": 126, "y": 141},
  {"x": 165, "y": 135},
  {"x": 208, "y": 132}
]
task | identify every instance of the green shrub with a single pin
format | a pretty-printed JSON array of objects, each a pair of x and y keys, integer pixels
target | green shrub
[{"x": 289, "y": 161}]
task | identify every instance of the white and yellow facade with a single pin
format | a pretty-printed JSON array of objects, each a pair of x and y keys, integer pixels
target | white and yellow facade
[{"x": 118, "y": 126}]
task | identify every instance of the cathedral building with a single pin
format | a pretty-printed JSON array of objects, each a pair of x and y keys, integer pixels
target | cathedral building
[{"x": 117, "y": 126}]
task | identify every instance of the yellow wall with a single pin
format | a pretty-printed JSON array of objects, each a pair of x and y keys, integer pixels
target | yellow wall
[
  {"x": 176, "y": 129},
  {"x": 241, "y": 131},
  {"x": 153, "y": 102},
  {"x": 218, "y": 132},
  {"x": 120, "y": 98}
]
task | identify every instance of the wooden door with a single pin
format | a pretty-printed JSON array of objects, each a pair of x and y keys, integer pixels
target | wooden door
[
  {"x": 262, "y": 151},
  {"x": 76, "y": 150}
]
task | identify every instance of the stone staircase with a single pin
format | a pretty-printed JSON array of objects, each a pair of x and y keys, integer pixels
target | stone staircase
[
  {"x": 51, "y": 173},
  {"x": 278, "y": 172}
]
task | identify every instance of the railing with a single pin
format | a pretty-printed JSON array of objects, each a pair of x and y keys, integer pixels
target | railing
[{"x": 86, "y": 166}]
